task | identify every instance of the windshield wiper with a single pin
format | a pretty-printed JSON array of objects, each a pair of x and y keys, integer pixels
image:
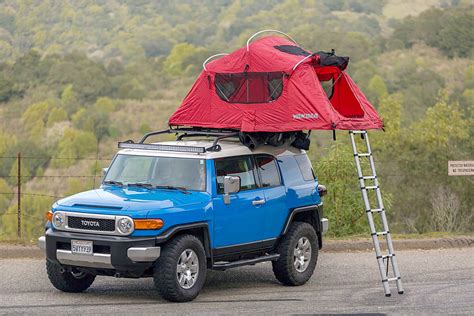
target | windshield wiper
[
  {"x": 141, "y": 185},
  {"x": 170, "y": 187},
  {"x": 112, "y": 182}
]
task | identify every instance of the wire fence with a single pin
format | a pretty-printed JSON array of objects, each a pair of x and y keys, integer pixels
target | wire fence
[{"x": 20, "y": 213}]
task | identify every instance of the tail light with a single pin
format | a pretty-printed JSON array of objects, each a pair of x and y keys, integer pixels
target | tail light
[{"x": 322, "y": 190}]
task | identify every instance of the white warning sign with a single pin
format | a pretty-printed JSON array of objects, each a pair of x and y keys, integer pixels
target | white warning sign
[{"x": 461, "y": 168}]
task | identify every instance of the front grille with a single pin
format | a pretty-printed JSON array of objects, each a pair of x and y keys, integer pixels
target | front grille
[{"x": 88, "y": 223}]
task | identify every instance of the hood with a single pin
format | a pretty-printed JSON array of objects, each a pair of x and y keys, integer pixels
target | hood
[{"x": 136, "y": 202}]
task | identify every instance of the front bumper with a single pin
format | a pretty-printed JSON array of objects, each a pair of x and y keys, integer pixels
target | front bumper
[{"x": 109, "y": 252}]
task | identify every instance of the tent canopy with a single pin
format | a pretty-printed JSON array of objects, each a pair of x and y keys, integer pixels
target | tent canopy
[{"x": 273, "y": 85}]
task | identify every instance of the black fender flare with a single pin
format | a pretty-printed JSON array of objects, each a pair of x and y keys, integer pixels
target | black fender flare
[
  {"x": 316, "y": 211},
  {"x": 174, "y": 230}
]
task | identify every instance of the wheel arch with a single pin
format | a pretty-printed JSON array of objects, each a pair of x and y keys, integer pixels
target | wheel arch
[
  {"x": 310, "y": 214},
  {"x": 200, "y": 230}
]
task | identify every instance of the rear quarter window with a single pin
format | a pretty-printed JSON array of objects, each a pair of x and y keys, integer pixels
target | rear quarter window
[
  {"x": 268, "y": 170},
  {"x": 305, "y": 167}
]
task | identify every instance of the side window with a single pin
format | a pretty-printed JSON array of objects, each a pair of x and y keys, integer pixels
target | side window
[
  {"x": 268, "y": 170},
  {"x": 305, "y": 167},
  {"x": 236, "y": 166}
]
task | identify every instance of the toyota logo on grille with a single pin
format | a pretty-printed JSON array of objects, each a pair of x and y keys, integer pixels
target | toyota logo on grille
[{"x": 90, "y": 223}]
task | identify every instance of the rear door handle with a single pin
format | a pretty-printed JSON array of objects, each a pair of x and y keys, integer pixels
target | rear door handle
[{"x": 258, "y": 202}]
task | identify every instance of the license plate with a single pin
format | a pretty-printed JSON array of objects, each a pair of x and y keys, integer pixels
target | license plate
[{"x": 81, "y": 247}]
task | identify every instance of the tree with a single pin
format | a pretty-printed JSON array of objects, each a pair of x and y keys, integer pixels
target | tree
[
  {"x": 6, "y": 195},
  {"x": 74, "y": 145},
  {"x": 34, "y": 119},
  {"x": 25, "y": 172},
  {"x": 92, "y": 120},
  {"x": 6, "y": 141},
  {"x": 69, "y": 100},
  {"x": 469, "y": 77},
  {"x": 56, "y": 115},
  {"x": 182, "y": 56},
  {"x": 377, "y": 88},
  {"x": 343, "y": 206},
  {"x": 105, "y": 105},
  {"x": 132, "y": 90}
]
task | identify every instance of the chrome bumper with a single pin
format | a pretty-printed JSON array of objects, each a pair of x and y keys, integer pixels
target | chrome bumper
[
  {"x": 144, "y": 254},
  {"x": 324, "y": 225},
  {"x": 96, "y": 260},
  {"x": 101, "y": 260}
]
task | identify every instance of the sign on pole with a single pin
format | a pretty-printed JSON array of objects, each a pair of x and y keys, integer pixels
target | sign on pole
[{"x": 461, "y": 168}]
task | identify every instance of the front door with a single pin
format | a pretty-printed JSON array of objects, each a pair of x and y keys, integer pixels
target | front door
[{"x": 243, "y": 220}]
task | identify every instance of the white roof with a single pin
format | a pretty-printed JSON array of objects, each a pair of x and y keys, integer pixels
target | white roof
[{"x": 229, "y": 148}]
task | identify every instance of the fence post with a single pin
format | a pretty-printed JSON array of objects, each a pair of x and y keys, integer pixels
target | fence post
[{"x": 19, "y": 195}]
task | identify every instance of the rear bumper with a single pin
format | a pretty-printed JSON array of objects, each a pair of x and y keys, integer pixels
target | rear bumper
[
  {"x": 324, "y": 225},
  {"x": 109, "y": 252}
]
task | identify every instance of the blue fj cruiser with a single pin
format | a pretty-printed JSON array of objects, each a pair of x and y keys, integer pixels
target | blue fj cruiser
[{"x": 171, "y": 210}]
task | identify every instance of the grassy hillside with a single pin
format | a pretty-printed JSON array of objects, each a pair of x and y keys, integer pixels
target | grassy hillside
[{"x": 78, "y": 76}]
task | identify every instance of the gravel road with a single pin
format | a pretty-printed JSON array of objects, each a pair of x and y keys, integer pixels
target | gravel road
[{"x": 435, "y": 281}]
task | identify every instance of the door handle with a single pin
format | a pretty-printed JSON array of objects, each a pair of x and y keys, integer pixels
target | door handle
[{"x": 258, "y": 202}]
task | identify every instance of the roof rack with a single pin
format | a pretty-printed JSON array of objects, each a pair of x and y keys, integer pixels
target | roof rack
[{"x": 181, "y": 133}]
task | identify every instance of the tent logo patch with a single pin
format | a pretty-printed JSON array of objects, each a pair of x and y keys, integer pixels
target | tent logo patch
[{"x": 300, "y": 116}]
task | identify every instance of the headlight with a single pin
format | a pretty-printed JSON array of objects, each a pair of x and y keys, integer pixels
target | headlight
[
  {"x": 125, "y": 225},
  {"x": 58, "y": 219}
]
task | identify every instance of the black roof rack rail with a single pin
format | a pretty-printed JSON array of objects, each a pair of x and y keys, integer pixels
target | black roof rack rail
[{"x": 181, "y": 133}]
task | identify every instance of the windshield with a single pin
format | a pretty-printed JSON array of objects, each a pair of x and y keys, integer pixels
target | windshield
[{"x": 187, "y": 173}]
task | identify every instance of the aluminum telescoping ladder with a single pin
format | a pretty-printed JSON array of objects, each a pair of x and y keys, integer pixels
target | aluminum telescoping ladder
[{"x": 390, "y": 257}]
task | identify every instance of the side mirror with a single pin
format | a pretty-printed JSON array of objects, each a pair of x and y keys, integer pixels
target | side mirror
[
  {"x": 231, "y": 185},
  {"x": 104, "y": 171}
]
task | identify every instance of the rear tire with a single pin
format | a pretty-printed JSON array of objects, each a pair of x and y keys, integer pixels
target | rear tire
[
  {"x": 180, "y": 272},
  {"x": 68, "y": 281},
  {"x": 298, "y": 255}
]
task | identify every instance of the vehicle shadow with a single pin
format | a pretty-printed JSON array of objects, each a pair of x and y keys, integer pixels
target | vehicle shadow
[{"x": 219, "y": 284}]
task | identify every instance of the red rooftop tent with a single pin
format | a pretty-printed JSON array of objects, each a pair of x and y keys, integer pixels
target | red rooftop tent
[{"x": 273, "y": 85}]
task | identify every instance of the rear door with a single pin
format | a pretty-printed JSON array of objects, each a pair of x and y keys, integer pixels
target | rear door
[{"x": 275, "y": 195}]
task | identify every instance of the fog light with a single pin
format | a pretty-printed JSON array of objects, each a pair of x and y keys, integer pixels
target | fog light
[
  {"x": 58, "y": 219},
  {"x": 125, "y": 225}
]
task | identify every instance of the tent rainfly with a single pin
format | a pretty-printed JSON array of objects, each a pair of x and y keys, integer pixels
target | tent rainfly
[{"x": 273, "y": 85}]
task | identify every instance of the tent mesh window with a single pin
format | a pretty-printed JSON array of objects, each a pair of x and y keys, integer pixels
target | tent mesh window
[{"x": 249, "y": 87}]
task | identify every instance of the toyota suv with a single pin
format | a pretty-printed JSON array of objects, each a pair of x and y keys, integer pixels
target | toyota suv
[{"x": 171, "y": 210}]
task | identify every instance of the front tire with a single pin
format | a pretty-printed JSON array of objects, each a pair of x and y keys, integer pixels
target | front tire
[
  {"x": 68, "y": 281},
  {"x": 180, "y": 272},
  {"x": 298, "y": 255}
]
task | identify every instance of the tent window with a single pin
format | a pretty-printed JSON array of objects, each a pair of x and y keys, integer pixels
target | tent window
[{"x": 249, "y": 87}]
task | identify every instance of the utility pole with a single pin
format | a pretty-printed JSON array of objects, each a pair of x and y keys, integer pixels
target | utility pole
[{"x": 19, "y": 195}]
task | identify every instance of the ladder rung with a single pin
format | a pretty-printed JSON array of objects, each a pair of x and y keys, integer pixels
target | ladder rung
[
  {"x": 363, "y": 154},
  {"x": 381, "y": 233},
  {"x": 386, "y": 256},
  {"x": 359, "y": 132},
  {"x": 391, "y": 279},
  {"x": 369, "y": 177},
  {"x": 375, "y": 210},
  {"x": 370, "y": 187}
]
